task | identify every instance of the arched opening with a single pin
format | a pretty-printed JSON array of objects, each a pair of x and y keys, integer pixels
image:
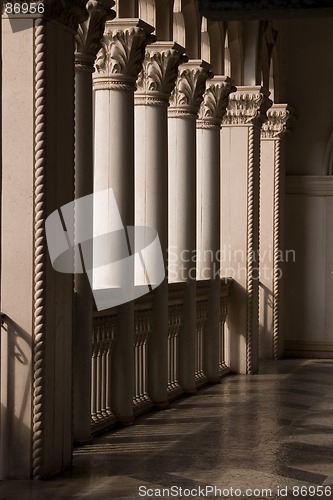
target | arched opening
[
  {"x": 147, "y": 11},
  {"x": 205, "y": 41},
  {"x": 192, "y": 28},
  {"x": 217, "y": 54},
  {"x": 126, "y": 9},
  {"x": 164, "y": 19},
  {"x": 265, "y": 65},
  {"x": 178, "y": 24},
  {"x": 227, "y": 56},
  {"x": 271, "y": 63},
  {"x": 233, "y": 52},
  {"x": 271, "y": 84}
]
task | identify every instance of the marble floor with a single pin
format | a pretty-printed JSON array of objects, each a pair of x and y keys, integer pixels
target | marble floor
[{"x": 264, "y": 436}]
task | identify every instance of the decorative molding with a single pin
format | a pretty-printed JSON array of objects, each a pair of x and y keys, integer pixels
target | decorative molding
[
  {"x": 69, "y": 13},
  {"x": 247, "y": 106},
  {"x": 215, "y": 102},
  {"x": 310, "y": 185},
  {"x": 280, "y": 120},
  {"x": 190, "y": 87},
  {"x": 159, "y": 73},
  {"x": 90, "y": 33},
  {"x": 39, "y": 252},
  {"x": 120, "y": 59}
]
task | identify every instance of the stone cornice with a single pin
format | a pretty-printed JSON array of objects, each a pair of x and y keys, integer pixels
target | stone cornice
[
  {"x": 215, "y": 102},
  {"x": 280, "y": 119},
  {"x": 159, "y": 73},
  {"x": 189, "y": 89},
  {"x": 120, "y": 59},
  {"x": 90, "y": 33},
  {"x": 247, "y": 106}
]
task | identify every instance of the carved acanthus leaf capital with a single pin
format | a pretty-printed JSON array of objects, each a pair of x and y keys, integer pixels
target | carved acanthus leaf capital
[
  {"x": 69, "y": 13},
  {"x": 90, "y": 33},
  {"x": 215, "y": 102},
  {"x": 248, "y": 106},
  {"x": 160, "y": 70},
  {"x": 120, "y": 59},
  {"x": 280, "y": 120},
  {"x": 190, "y": 87}
]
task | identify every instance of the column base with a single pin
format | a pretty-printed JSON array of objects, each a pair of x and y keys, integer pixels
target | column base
[
  {"x": 190, "y": 392},
  {"x": 161, "y": 405},
  {"x": 126, "y": 421},
  {"x": 214, "y": 380},
  {"x": 83, "y": 441}
]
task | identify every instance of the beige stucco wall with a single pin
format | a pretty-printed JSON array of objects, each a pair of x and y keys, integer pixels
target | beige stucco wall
[{"x": 309, "y": 280}]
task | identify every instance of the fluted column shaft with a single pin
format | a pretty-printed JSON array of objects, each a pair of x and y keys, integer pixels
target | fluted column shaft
[
  {"x": 183, "y": 112},
  {"x": 117, "y": 67},
  {"x": 272, "y": 201},
  {"x": 211, "y": 113},
  {"x": 240, "y": 165},
  {"x": 87, "y": 45},
  {"x": 155, "y": 85}
]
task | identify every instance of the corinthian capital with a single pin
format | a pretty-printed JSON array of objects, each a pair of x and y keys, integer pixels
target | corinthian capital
[
  {"x": 280, "y": 119},
  {"x": 247, "y": 106},
  {"x": 215, "y": 102},
  {"x": 159, "y": 73},
  {"x": 189, "y": 89},
  {"x": 120, "y": 59},
  {"x": 90, "y": 33},
  {"x": 70, "y": 13}
]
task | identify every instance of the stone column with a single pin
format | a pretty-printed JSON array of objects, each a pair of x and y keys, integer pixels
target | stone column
[
  {"x": 87, "y": 45},
  {"x": 211, "y": 112},
  {"x": 272, "y": 202},
  {"x": 185, "y": 103},
  {"x": 155, "y": 84},
  {"x": 117, "y": 67},
  {"x": 37, "y": 178},
  {"x": 240, "y": 164}
]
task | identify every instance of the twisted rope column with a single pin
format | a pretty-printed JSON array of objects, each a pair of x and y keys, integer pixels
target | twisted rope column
[
  {"x": 279, "y": 124},
  {"x": 39, "y": 251},
  {"x": 276, "y": 248},
  {"x": 249, "y": 256}
]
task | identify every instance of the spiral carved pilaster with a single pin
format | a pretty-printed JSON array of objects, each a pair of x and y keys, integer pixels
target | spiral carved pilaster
[
  {"x": 250, "y": 246},
  {"x": 39, "y": 251}
]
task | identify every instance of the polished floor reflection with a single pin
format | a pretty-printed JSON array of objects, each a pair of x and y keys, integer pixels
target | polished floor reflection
[{"x": 265, "y": 434}]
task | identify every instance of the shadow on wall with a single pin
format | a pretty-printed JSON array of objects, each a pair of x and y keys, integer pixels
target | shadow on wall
[
  {"x": 15, "y": 407},
  {"x": 266, "y": 322},
  {"x": 236, "y": 327}
]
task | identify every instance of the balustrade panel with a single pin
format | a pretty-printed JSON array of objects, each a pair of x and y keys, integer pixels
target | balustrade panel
[
  {"x": 143, "y": 320},
  {"x": 200, "y": 326},
  {"x": 104, "y": 334}
]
